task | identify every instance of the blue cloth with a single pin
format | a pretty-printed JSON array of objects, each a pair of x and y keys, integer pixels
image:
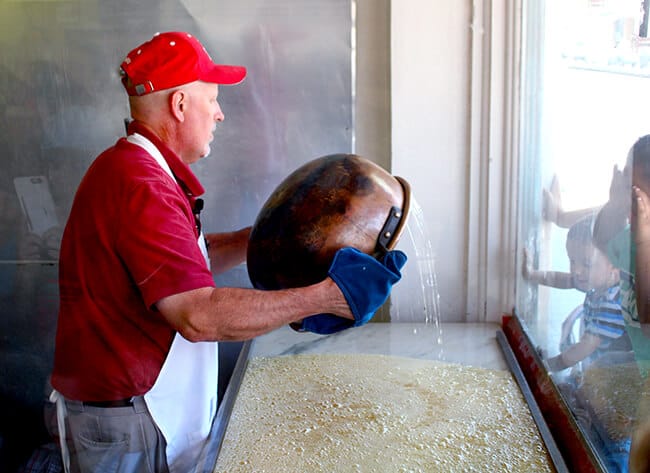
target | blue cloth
[{"x": 366, "y": 284}]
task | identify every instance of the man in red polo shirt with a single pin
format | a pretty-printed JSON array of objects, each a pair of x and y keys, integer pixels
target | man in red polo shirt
[{"x": 135, "y": 367}]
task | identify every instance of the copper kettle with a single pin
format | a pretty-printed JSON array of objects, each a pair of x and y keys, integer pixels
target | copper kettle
[{"x": 331, "y": 202}]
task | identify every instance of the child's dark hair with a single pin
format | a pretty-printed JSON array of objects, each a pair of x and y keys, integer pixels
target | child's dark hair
[
  {"x": 641, "y": 157},
  {"x": 582, "y": 230}
]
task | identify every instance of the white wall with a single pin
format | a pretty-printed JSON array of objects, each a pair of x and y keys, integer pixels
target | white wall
[
  {"x": 430, "y": 49},
  {"x": 372, "y": 93},
  {"x": 445, "y": 119}
]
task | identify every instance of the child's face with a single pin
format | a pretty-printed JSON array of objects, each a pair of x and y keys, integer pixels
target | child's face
[{"x": 590, "y": 268}]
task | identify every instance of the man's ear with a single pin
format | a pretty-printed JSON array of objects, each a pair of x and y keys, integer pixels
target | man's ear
[{"x": 178, "y": 104}]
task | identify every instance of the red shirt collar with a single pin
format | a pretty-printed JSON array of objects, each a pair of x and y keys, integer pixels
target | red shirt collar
[{"x": 182, "y": 172}]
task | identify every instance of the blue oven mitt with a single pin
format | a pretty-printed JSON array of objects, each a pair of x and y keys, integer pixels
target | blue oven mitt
[{"x": 366, "y": 284}]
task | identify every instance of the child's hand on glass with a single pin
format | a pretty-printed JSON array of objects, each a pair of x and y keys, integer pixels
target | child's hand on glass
[
  {"x": 619, "y": 189},
  {"x": 552, "y": 202}
]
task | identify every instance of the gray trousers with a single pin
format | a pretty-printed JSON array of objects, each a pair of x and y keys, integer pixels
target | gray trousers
[{"x": 115, "y": 439}]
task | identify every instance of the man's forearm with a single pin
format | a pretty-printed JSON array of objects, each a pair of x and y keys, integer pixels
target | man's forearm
[{"x": 227, "y": 250}]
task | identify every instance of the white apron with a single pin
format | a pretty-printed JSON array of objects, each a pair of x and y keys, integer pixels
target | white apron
[{"x": 183, "y": 400}]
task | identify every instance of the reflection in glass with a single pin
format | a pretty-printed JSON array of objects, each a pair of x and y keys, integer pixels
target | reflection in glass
[{"x": 582, "y": 290}]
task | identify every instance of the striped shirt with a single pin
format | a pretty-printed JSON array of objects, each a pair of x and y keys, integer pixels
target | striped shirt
[
  {"x": 621, "y": 251},
  {"x": 603, "y": 316}
]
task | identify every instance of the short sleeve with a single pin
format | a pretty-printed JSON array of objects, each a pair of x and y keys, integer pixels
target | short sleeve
[{"x": 157, "y": 241}]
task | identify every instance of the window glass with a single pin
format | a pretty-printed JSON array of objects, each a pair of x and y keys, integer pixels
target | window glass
[{"x": 585, "y": 115}]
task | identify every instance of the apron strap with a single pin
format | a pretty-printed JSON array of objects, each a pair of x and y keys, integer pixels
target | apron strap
[{"x": 59, "y": 400}]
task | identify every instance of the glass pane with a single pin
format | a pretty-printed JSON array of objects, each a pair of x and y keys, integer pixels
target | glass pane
[{"x": 586, "y": 95}]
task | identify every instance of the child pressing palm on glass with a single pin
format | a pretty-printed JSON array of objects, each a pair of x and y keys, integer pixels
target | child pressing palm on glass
[{"x": 591, "y": 272}]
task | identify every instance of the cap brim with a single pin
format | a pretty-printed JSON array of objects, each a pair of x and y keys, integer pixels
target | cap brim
[{"x": 225, "y": 74}]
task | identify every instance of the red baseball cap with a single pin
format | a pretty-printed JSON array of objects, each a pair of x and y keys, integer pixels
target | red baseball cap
[{"x": 171, "y": 59}]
